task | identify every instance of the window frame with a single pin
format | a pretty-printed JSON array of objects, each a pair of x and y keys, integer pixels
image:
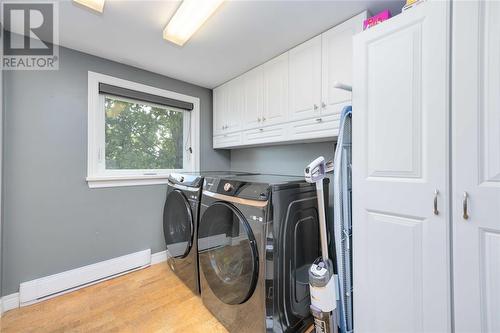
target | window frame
[{"x": 97, "y": 175}]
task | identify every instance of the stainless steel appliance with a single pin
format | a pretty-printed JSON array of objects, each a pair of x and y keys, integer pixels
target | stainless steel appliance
[
  {"x": 258, "y": 236},
  {"x": 180, "y": 223}
]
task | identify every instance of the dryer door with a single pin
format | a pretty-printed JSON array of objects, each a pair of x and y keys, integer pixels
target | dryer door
[
  {"x": 228, "y": 253},
  {"x": 178, "y": 224}
]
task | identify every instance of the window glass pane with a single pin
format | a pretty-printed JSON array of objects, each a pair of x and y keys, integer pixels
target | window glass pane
[{"x": 142, "y": 136}]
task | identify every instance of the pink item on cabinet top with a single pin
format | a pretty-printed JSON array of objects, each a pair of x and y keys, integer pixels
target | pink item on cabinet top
[{"x": 376, "y": 19}]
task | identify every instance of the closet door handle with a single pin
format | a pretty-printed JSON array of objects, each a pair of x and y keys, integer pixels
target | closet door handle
[
  {"x": 436, "y": 211},
  {"x": 464, "y": 206}
]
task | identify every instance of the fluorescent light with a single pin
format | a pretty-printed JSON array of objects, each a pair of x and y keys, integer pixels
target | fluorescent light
[
  {"x": 188, "y": 18},
  {"x": 97, "y": 5}
]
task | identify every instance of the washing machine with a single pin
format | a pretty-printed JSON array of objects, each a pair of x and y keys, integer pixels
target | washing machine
[
  {"x": 180, "y": 223},
  {"x": 258, "y": 235}
]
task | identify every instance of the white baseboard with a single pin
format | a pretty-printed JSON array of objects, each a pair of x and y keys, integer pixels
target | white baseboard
[
  {"x": 58, "y": 284},
  {"x": 54, "y": 285},
  {"x": 158, "y": 257},
  {"x": 10, "y": 302}
]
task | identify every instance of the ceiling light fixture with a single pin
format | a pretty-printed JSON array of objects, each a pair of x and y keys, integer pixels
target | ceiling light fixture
[
  {"x": 188, "y": 18},
  {"x": 97, "y": 5}
]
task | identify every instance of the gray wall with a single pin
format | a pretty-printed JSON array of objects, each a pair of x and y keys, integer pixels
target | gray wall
[
  {"x": 284, "y": 159},
  {"x": 52, "y": 220}
]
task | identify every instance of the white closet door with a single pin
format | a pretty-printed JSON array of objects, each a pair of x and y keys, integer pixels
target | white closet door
[
  {"x": 305, "y": 79},
  {"x": 400, "y": 157},
  {"x": 476, "y": 165}
]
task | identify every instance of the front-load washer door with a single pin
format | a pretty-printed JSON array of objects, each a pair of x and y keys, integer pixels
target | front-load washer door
[
  {"x": 178, "y": 225},
  {"x": 228, "y": 253}
]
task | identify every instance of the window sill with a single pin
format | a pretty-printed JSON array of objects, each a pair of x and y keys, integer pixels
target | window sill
[{"x": 132, "y": 180}]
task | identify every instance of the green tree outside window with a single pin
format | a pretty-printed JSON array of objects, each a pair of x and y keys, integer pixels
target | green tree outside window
[{"x": 142, "y": 136}]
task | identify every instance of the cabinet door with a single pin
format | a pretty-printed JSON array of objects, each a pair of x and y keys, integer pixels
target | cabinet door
[
  {"x": 227, "y": 140},
  {"x": 337, "y": 63},
  {"x": 219, "y": 109},
  {"x": 326, "y": 127},
  {"x": 275, "y": 90},
  {"x": 400, "y": 150},
  {"x": 236, "y": 101},
  {"x": 270, "y": 134},
  {"x": 305, "y": 79},
  {"x": 476, "y": 165},
  {"x": 254, "y": 99}
]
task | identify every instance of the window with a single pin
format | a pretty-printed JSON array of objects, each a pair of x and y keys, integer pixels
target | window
[{"x": 138, "y": 134}]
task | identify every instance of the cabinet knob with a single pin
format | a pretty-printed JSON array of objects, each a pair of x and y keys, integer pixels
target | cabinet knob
[
  {"x": 319, "y": 120},
  {"x": 261, "y": 129},
  {"x": 315, "y": 107},
  {"x": 258, "y": 119},
  {"x": 323, "y": 105},
  {"x": 263, "y": 118}
]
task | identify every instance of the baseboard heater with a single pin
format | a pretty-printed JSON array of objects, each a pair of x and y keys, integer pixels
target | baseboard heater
[{"x": 54, "y": 285}]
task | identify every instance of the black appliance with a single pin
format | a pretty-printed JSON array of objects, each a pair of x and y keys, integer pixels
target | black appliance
[
  {"x": 180, "y": 223},
  {"x": 258, "y": 235}
]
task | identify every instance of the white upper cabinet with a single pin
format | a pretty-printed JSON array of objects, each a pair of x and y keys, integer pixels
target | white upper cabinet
[
  {"x": 292, "y": 94},
  {"x": 275, "y": 90},
  {"x": 236, "y": 105},
  {"x": 337, "y": 63},
  {"x": 253, "y": 110},
  {"x": 220, "y": 98},
  {"x": 229, "y": 104},
  {"x": 305, "y": 79}
]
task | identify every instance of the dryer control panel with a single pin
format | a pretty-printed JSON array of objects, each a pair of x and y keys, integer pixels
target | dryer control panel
[{"x": 237, "y": 188}]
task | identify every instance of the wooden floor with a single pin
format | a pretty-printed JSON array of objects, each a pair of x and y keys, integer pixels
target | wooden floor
[{"x": 149, "y": 300}]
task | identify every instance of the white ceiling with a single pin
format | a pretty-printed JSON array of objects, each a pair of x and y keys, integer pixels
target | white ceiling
[{"x": 239, "y": 36}]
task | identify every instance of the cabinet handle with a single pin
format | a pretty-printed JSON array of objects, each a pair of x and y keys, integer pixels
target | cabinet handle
[
  {"x": 261, "y": 129},
  {"x": 315, "y": 107},
  {"x": 323, "y": 105},
  {"x": 436, "y": 211},
  {"x": 319, "y": 120},
  {"x": 263, "y": 118},
  {"x": 464, "y": 206}
]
